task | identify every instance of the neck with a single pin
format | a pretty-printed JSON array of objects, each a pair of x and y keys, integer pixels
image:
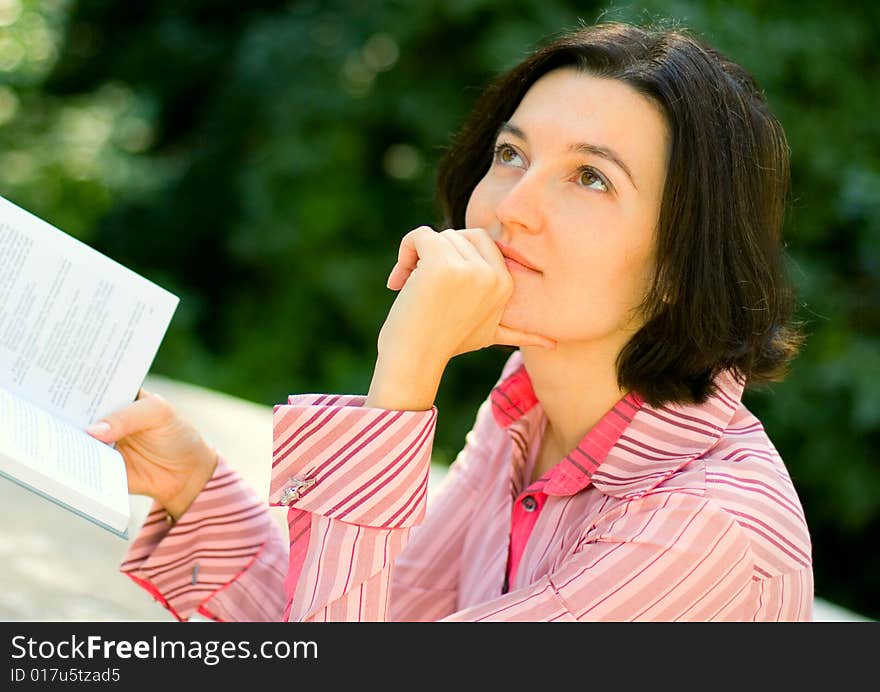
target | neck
[{"x": 576, "y": 384}]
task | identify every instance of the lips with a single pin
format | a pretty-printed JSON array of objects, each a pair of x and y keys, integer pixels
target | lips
[{"x": 513, "y": 255}]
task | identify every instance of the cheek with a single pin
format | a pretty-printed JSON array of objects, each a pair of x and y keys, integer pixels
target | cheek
[
  {"x": 470, "y": 212},
  {"x": 481, "y": 208},
  {"x": 599, "y": 283}
]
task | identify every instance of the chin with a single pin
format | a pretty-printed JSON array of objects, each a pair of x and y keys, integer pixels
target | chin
[
  {"x": 524, "y": 323},
  {"x": 515, "y": 317}
]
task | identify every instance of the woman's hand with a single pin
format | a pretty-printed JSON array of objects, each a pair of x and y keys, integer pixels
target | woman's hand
[
  {"x": 165, "y": 457},
  {"x": 454, "y": 287}
]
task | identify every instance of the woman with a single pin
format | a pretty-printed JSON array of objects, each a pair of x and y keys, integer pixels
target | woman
[{"x": 613, "y": 208}]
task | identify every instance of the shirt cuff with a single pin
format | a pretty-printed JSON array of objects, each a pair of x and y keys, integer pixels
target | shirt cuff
[
  {"x": 335, "y": 457},
  {"x": 212, "y": 544}
]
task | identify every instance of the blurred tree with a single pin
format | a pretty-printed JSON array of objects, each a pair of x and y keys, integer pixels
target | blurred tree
[{"x": 262, "y": 161}]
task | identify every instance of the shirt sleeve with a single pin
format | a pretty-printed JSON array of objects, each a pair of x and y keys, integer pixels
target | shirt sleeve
[
  {"x": 355, "y": 481},
  {"x": 360, "y": 550},
  {"x": 224, "y": 558},
  {"x": 425, "y": 581},
  {"x": 663, "y": 557}
]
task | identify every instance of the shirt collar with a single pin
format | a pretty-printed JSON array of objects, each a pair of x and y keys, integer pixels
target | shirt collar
[{"x": 634, "y": 447}]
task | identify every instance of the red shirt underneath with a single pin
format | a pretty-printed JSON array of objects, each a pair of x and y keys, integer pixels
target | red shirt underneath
[{"x": 511, "y": 399}]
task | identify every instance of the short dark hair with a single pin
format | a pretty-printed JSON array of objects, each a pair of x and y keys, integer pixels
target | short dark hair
[{"x": 721, "y": 297}]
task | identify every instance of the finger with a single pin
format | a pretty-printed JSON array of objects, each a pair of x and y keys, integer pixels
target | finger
[
  {"x": 465, "y": 247},
  {"x": 507, "y": 336},
  {"x": 398, "y": 276},
  {"x": 150, "y": 410},
  {"x": 407, "y": 259},
  {"x": 419, "y": 244},
  {"x": 481, "y": 241}
]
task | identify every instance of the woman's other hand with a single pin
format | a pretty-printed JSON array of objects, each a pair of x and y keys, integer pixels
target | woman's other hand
[{"x": 165, "y": 457}]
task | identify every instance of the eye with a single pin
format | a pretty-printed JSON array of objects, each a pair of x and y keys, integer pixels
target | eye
[
  {"x": 506, "y": 154},
  {"x": 591, "y": 178}
]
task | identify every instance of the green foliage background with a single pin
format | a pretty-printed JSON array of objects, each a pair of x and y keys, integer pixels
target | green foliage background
[{"x": 263, "y": 159}]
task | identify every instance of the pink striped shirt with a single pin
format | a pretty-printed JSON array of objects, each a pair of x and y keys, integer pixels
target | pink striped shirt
[{"x": 681, "y": 512}]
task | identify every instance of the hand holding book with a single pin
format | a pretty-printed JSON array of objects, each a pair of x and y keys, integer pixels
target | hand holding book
[
  {"x": 165, "y": 456},
  {"x": 78, "y": 333}
]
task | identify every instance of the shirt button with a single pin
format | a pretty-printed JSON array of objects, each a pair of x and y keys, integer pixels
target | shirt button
[{"x": 529, "y": 503}]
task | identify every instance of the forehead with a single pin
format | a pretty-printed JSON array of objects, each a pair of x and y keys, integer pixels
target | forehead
[{"x": 568, "y": 106}]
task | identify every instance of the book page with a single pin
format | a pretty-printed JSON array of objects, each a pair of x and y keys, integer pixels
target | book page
[
  {"x": 78, "y": 330},
  {"x": 58, "y": 459}
]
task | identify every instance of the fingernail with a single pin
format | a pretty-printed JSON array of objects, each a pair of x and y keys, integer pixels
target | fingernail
[{"x": 98, "y": 429}]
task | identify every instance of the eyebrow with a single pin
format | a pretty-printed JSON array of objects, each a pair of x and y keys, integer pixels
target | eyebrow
[{"x": 579, "y": 148}]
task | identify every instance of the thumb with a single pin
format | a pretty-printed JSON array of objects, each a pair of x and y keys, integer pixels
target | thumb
[
  {"x": 147, "y": 411},
  {"x": 507, "y": 336}
]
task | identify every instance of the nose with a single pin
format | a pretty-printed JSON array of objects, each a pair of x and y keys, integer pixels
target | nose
[{"x": 519, "y": 209}]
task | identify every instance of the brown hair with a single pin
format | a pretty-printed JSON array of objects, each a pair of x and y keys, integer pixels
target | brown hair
[{"x": 721, "y": 298}]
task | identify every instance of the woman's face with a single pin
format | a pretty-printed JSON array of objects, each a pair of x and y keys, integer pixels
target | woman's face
[{"x": 575, "y": 188}]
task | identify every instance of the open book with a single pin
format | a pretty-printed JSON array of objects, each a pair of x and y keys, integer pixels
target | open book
[{"x": 78, "y": 334}]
